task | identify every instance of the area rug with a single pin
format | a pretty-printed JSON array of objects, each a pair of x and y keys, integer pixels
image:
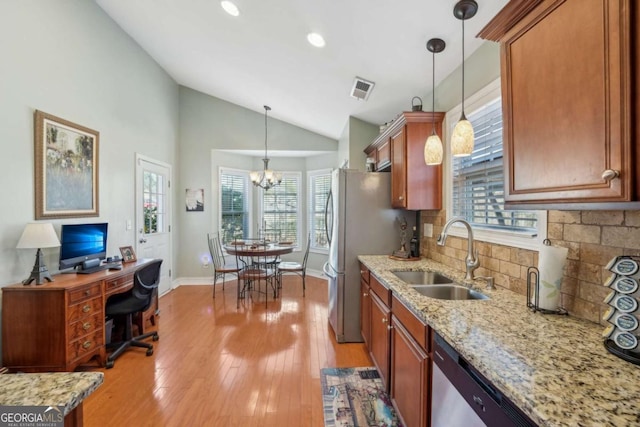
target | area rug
[{"x": 355, "y": 397}]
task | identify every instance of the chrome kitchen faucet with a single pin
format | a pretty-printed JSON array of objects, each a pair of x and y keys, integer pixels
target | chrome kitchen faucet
[{"x": 472, "y": 262}]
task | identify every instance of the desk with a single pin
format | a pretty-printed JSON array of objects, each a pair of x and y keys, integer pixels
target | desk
[{"x": 59, "y": 325}]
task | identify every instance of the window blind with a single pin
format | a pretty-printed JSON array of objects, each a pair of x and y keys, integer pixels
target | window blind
[
  {"x": 234, "y": 206},
  {"x": 319, "y": 188},
  {"x": 478, "y": 180},
  {"x": 281, "y": 210}
]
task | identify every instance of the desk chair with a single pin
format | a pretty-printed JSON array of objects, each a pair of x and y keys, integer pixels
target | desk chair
[
  {"x": 296, "y": 267},
  {"x": 145, "y": 284},
  {"x": 220, "y": 266}
]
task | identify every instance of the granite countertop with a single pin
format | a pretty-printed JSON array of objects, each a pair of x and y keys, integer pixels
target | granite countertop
[
  {"x": 67, "y": 389},
  {"x": 555, "y": 368}
]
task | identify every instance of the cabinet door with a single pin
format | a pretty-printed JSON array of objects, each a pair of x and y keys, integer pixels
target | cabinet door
[
  {"x": 398, "y": 170},
  {"x": 383, "y": 156},
  {"x": 365, "y": 312},
  {"x": 380, "y": 337},
  {"x": 410, "y": 366},
  {"x": 566, "y": 84}
]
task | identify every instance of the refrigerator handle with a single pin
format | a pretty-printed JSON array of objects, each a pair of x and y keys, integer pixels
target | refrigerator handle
[
  {"x": 326, "y": 216},
  {"x": 325, "y": 270}
]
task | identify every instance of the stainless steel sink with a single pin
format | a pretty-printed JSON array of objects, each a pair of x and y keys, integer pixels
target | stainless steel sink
[
  {"x": 422, "y": 277},
  {"x": 450, "y": 292}
]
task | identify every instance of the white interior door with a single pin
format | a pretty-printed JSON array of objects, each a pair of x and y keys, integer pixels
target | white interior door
[{"x": 153, "y": 221}]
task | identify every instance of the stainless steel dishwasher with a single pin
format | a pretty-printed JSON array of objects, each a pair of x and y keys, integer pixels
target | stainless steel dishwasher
[{"x": 462, "y": 397}]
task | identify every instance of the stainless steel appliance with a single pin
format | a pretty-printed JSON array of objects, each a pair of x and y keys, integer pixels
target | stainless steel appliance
[
  {"x": 462, "y": 397},
  {"x": 360, "y": 221}
]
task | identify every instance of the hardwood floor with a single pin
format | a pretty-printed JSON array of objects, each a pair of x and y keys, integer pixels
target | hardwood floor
[{"x": 218, "y": 366}]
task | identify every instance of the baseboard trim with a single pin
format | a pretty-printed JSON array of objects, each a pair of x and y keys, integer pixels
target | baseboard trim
[{"x": 208, "y": 280}]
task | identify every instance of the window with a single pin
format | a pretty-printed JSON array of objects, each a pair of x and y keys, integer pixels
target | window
[
  {"x": 154, "y": 202},
  {"x": 281, "y": 208},
  {"x": 234, "y": 205},
  {"x": 319, "y": 186},
  {"x": 477, "y": 181}
]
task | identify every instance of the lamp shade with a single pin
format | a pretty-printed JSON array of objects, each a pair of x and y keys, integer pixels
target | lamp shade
[
  {"x": 38, "y": 235},
  {"x": 462, "y": 139},
  {"x": 433, "y": 150}
]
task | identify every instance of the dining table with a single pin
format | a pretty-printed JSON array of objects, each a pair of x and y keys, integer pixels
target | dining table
[{"x": 258, "y": 249}]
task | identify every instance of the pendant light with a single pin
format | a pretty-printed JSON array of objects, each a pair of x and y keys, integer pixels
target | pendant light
[
  {"x": 462, "y": 138},
  {"x": 433, "y": 146},
  {"x": 266, "y": 178}
]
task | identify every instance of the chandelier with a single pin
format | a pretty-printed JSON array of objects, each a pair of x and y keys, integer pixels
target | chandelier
[{"x": 266, "y": 178}]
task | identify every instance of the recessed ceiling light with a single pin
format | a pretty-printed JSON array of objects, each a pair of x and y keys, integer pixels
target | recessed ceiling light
[
  {"x": 316, "y": 39},
  {"x": 230, "y": 8}
]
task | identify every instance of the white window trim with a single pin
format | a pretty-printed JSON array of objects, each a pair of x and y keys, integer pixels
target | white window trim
[
  {"x": 508, "y": 238},
  {"x": 311, "y": 174},
  {"x": 242, "y": 172},
  {"x": 298, "y": 176}
]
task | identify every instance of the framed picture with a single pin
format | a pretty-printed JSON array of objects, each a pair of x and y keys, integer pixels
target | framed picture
[
  {"x": 128, "y": 254},
  {"x": 195, "y": 200},
  {"x": 66, "y": 168}
]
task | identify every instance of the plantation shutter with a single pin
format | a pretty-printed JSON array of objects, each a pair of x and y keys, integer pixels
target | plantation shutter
[
  {"x": 234, "y": 205},
  {"x": 280, "y": 210},
  {"x": 478, "y": 180},
  {"x": 319, "y": 188}
]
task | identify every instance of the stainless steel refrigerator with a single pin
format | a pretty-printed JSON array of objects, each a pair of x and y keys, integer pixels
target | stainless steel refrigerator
[{"x": 360, "y": 221}]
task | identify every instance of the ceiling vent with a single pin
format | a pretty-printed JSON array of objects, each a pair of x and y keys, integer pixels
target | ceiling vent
[{"x": 361, "y": 88}]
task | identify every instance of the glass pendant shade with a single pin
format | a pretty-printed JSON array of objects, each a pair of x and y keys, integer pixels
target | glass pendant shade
[
  {"x": 462, "y": 138},
  {"x": 433, "y": 150}
]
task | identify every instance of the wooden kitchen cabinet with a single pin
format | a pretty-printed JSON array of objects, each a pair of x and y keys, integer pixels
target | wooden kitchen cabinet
[
  {"x": 570, "y": 94},
  {"x": 410, "y": 367},
  {"x": 379, "y": 329},
  {"x": 414, "y": 185},
  {"x": 365, "y": 305}
]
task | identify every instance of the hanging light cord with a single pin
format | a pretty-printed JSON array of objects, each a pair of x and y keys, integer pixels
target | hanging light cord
[
  {"x": 462, "y": 116},
  {"x": 266, "y": 109},
  {"x": 433, "y": 92}
]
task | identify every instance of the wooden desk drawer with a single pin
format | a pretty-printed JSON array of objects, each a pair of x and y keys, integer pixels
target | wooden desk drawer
[
  {"x": 380, "y": 290},
  {"x": 85, "y": 309},
  {"x": 86, "y": 344},
  {"x": 122, "y": 282},
  {"x": 85, "y": 326},
  {"x": 85, "y": 292}
]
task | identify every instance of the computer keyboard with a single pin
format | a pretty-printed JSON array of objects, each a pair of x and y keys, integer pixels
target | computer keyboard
[{"x": 93, "y": 269}]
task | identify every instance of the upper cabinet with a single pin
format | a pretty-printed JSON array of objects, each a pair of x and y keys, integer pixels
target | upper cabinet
[
  {"x": 570, "y": 94},
  {"x": 414, "y": 185}
]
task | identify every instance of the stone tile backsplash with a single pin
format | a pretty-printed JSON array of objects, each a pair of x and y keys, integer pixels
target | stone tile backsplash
[{"x": 592, "y": 237}]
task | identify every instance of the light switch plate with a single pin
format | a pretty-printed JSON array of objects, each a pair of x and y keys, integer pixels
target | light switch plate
[{"x": 428, "y": 230}]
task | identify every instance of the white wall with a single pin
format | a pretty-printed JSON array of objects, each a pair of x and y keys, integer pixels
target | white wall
[
  {"x": 69, "y": 59},
  {"x": 208, "y": 123}
]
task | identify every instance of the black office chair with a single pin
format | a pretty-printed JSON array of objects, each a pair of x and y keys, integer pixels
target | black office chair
[{"x": 138, "y": 299}]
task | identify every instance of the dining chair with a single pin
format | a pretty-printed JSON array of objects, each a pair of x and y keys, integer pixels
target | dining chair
[
  {"x": 295, "y": 267},
  {"x": 220, "y": 265},
  {"x": 253, "y": 271}
]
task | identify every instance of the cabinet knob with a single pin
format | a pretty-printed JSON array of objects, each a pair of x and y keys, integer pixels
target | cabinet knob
[
  {"x": 365, "y": 294},
  {"x": 400, "y": 197},
  {"x": 86, "y": 344},
  {"x": 86, "y": 326},
  {"x": 384, "y": 320},
  {"x": 86, "y": 308},
  {"x": 610, "y": 175},
  {"x": 87, "y": 292},
  {"x": 389, "y": 327}
]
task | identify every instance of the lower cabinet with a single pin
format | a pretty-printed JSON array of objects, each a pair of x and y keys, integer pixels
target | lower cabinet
[
  {"x": 410, "y": 370},
  {"x": 365, "y": 312},
  {"x": 380, "y": 337}
]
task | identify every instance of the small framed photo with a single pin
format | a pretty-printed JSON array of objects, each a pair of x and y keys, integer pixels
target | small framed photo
[{"x": 128, "y": 254}]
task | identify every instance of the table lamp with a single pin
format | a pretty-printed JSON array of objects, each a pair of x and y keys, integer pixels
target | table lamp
[{"x": 37, "y": 235}]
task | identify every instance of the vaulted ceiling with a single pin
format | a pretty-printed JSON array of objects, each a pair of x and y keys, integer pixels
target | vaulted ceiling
[{"x": 262, "y": 56}]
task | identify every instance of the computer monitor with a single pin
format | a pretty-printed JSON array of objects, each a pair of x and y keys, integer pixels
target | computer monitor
[{"x": 80, "y": 244}]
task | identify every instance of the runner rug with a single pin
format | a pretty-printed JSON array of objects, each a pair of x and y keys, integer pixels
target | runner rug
[{"x": 355, "y": 397}]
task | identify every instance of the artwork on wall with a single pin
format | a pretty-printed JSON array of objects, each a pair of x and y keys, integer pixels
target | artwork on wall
[
  {"x": 66, "y": 168},
  {"x": 195, "y": 200}
]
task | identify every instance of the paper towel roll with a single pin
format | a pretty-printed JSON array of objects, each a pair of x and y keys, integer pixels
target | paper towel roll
[{"x": 551, "y": 261}]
